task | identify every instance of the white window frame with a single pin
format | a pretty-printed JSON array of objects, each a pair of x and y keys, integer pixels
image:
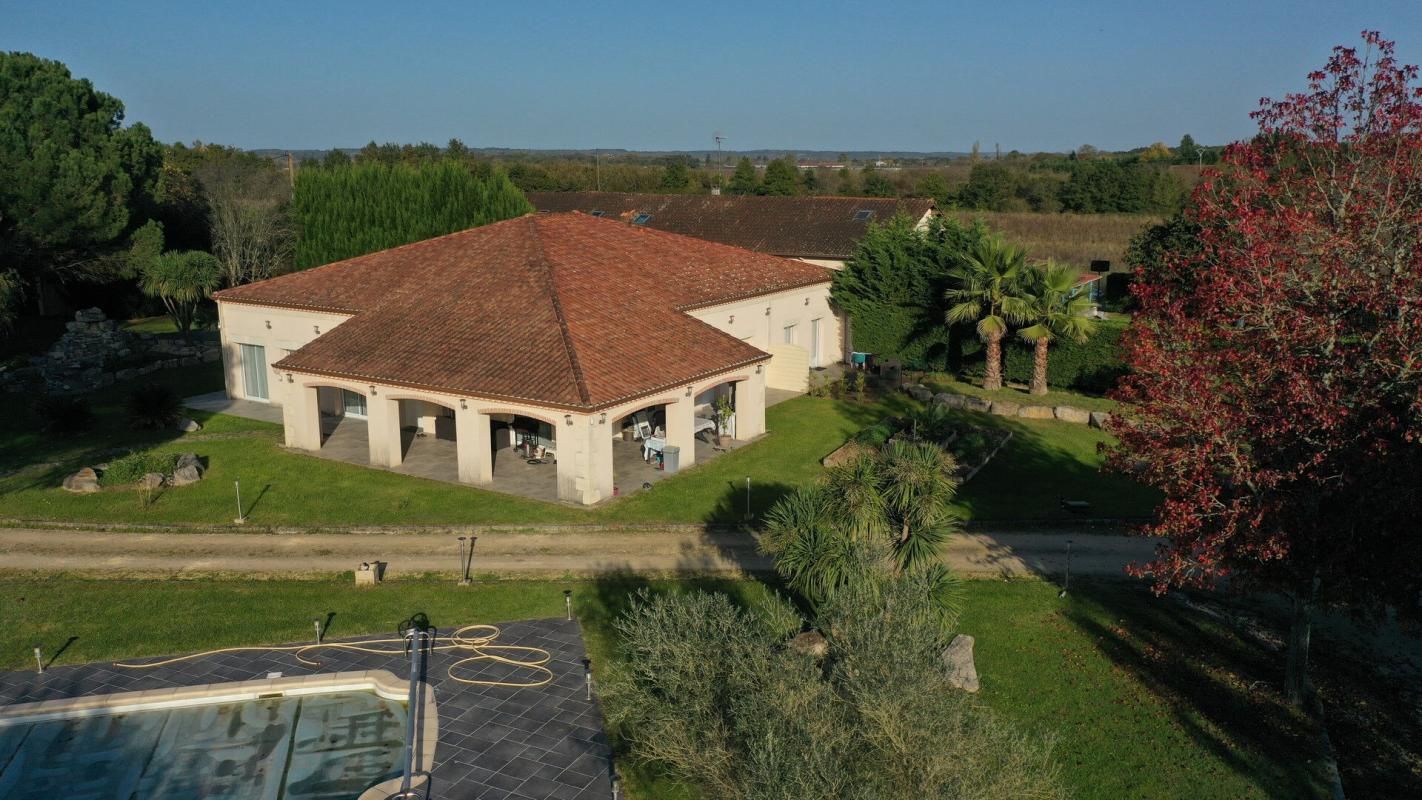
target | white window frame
[
  {"x": 346, "y": 408},
  {"x": 260, "y": 375},
  {"x": 789, "y": 334}
]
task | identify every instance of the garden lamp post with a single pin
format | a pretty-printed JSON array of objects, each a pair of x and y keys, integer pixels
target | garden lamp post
[
  {"x": 568, "y": 602},
  {"x": 39, "y": 660},
  {"x": 1066, "y": 582}
]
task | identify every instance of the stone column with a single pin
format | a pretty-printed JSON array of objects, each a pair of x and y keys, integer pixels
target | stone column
[
  {"x": 750, "y": 405},
  {"x": 680, "y": 433},
  {"x": 473, "y": 446},
  {"x": 301, "y": 419},
  {"x": 383, "y": 429}
]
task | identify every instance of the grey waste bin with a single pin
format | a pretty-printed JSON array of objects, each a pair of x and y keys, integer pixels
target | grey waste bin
[{"x": 671, "y": 458}]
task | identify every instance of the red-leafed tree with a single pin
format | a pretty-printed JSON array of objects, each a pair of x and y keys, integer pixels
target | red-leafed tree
[{"x": 1277, "y": 359}]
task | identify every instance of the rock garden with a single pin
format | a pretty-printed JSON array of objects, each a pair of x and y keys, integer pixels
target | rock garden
[{"x": 94, "y": 352}]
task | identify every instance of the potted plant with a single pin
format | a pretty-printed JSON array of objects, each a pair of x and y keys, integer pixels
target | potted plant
[{"x": 724, "y": 410}]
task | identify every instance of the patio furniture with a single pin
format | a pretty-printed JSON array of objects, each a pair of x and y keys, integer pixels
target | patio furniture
[
  {"x": 860, "y": 360},
  {"x": 641, "y": 429},
  {"x": 652, "y": 444}
]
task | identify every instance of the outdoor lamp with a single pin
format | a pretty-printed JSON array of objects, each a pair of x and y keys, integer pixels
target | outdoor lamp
[
  {"x": 568, "y": 602},
  {"x": 602, "y": 418},
  {"x": 316, "y": 329},
  {"x": 269, "y": 324},
  {"x": 372, "y": 390},
  {"x": 39, "y": 660},
  {"x": 567, "y": 419},
  {"x": 463, "y": 404},
  {"x": 733, "y": 320}
]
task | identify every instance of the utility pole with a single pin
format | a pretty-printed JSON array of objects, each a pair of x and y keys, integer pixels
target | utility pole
[
  {"x": 597, "y": 169},
  {"x": 997, "y": 151},
  {"x": 290, "y": 169}
]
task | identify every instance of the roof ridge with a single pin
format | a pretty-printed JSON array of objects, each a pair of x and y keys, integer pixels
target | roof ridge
[{"x": 552, "y": 290}]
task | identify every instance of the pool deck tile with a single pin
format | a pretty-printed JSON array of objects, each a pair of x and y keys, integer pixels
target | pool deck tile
[{"x": 494, "y": 742}]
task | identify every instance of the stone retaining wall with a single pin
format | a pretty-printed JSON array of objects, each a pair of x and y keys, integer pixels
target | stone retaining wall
[{"x": 1008, "y": 408}]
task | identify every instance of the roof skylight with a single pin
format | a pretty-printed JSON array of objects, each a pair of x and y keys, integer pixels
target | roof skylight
[
  {"x": 863, "y": 214},
  {"x": 641, "y": 219}
]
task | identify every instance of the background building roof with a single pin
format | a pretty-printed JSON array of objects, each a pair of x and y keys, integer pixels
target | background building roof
[
  {"x": 564, "y": 310},
  {"x": 799, "y": 227}
]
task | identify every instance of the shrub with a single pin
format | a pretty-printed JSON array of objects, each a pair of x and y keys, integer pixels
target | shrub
[
  {"x": 152, "y": 406},
  {"x": 61, "y": 414},
  {"x": 129, "y": 468},
  {"x": 878, "y": 434},
  {"x": 713, "y": 694}
]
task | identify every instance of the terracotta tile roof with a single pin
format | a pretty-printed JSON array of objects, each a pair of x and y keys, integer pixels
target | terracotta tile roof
[
  {"x": 563, "y": 310},
  {"x": 798, "y": 227}
]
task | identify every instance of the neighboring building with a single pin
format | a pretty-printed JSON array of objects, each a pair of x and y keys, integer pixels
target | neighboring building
[
  {"x": 561, "y": 323},
  {"x": 820, "y": 230}
]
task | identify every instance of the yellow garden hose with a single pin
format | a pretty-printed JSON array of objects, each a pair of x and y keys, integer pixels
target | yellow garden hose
[{"x": 476, "y": 640}]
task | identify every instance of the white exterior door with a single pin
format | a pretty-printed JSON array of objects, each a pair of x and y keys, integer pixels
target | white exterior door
[
  {"x": 254, "y": 371},
  {"x": 814, "y": 344}
]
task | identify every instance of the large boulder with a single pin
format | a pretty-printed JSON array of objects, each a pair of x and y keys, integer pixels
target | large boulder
[
  {"x": 1073, "y": 414},
  {"x": 958, "y": 658},
  {"x": 1036, "y": 412},
  {"x": 187, "y": 469},
  {"x": 950, "y": 400},
  {"x": 1005, "y": 408},
  {"x": 1099, "y": 419},
  {"x": 85, "y": 481},
  {"x": 182, "y": 476},
  {"x": 919, "y": 392},
  {"x": 976, "y": 404},
  {"x": 187, "y": 425}
]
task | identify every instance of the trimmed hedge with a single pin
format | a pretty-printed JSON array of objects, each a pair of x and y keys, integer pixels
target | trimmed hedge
[{"x": 1093, "y": 366}]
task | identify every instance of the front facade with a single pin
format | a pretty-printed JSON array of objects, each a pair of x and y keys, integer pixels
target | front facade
[{"x": 550, "y": 333}]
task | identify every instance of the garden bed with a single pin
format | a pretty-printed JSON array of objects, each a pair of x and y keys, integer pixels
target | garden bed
[{"x": 971, "y": 445}]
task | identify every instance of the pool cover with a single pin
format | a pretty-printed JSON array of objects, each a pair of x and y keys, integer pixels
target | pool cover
[{"x": 317, "y": 747}]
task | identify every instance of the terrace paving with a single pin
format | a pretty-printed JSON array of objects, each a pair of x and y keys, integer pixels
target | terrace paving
[{"x": 495, "y": 743}]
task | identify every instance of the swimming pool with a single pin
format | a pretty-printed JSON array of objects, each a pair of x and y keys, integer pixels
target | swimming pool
[{"x": 329, "y": 737}]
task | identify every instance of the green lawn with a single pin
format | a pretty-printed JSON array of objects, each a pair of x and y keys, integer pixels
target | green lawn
[
  {"x": 943, "y": 382},
  {"x": 1113, "y": 673},
  {"x": 159, "y": 324},
  {"x": 1046, "y": 460}
]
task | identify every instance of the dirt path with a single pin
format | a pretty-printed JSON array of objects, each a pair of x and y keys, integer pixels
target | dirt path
[{"x": 566, "y": 551}]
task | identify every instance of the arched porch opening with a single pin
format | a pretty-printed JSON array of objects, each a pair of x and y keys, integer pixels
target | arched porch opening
[
  {"x": 343, "y": 415},
  {"x": 524, "y": 453},
  {"x": 429, "y": 439}
]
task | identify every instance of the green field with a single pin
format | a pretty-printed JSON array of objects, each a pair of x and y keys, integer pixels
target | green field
[
  {"x": 1143, "y": 698},
  {"x": 1045, "y": 461}
]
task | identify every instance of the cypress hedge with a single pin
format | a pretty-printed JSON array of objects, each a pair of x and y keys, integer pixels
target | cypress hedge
[{"x": 348, "y": 211}]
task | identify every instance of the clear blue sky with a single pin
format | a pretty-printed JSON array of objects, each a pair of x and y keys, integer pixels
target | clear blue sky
[{"x": 831, "y": 76}]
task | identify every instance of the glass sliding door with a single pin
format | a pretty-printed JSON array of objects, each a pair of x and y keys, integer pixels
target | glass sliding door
[
  {"x": 353, "y": 403},
  {"x": 814, "y": 344},
  {"x": 254, "y": 371}
]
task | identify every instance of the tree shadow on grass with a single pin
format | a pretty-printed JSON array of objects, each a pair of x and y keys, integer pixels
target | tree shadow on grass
[
  {"x": 745, "y": 504},
  {"x": 1221, "y": 686},
  {"x": 1043, "y": 464}
]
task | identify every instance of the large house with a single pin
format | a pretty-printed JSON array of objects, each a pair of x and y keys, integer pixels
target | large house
[
  {"x": 560, "y": 324},
  {"x": 819, "y": 230}
]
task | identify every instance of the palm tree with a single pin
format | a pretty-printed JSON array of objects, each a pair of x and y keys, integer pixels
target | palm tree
[
  {"x": 988, "y": 294},
  {"x": 1055, "y": 310}
]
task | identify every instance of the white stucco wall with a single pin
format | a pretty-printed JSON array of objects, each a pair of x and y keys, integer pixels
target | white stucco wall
[
  {"x": 761, "y": 322},
  {"x": 279, "y": 330}
]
